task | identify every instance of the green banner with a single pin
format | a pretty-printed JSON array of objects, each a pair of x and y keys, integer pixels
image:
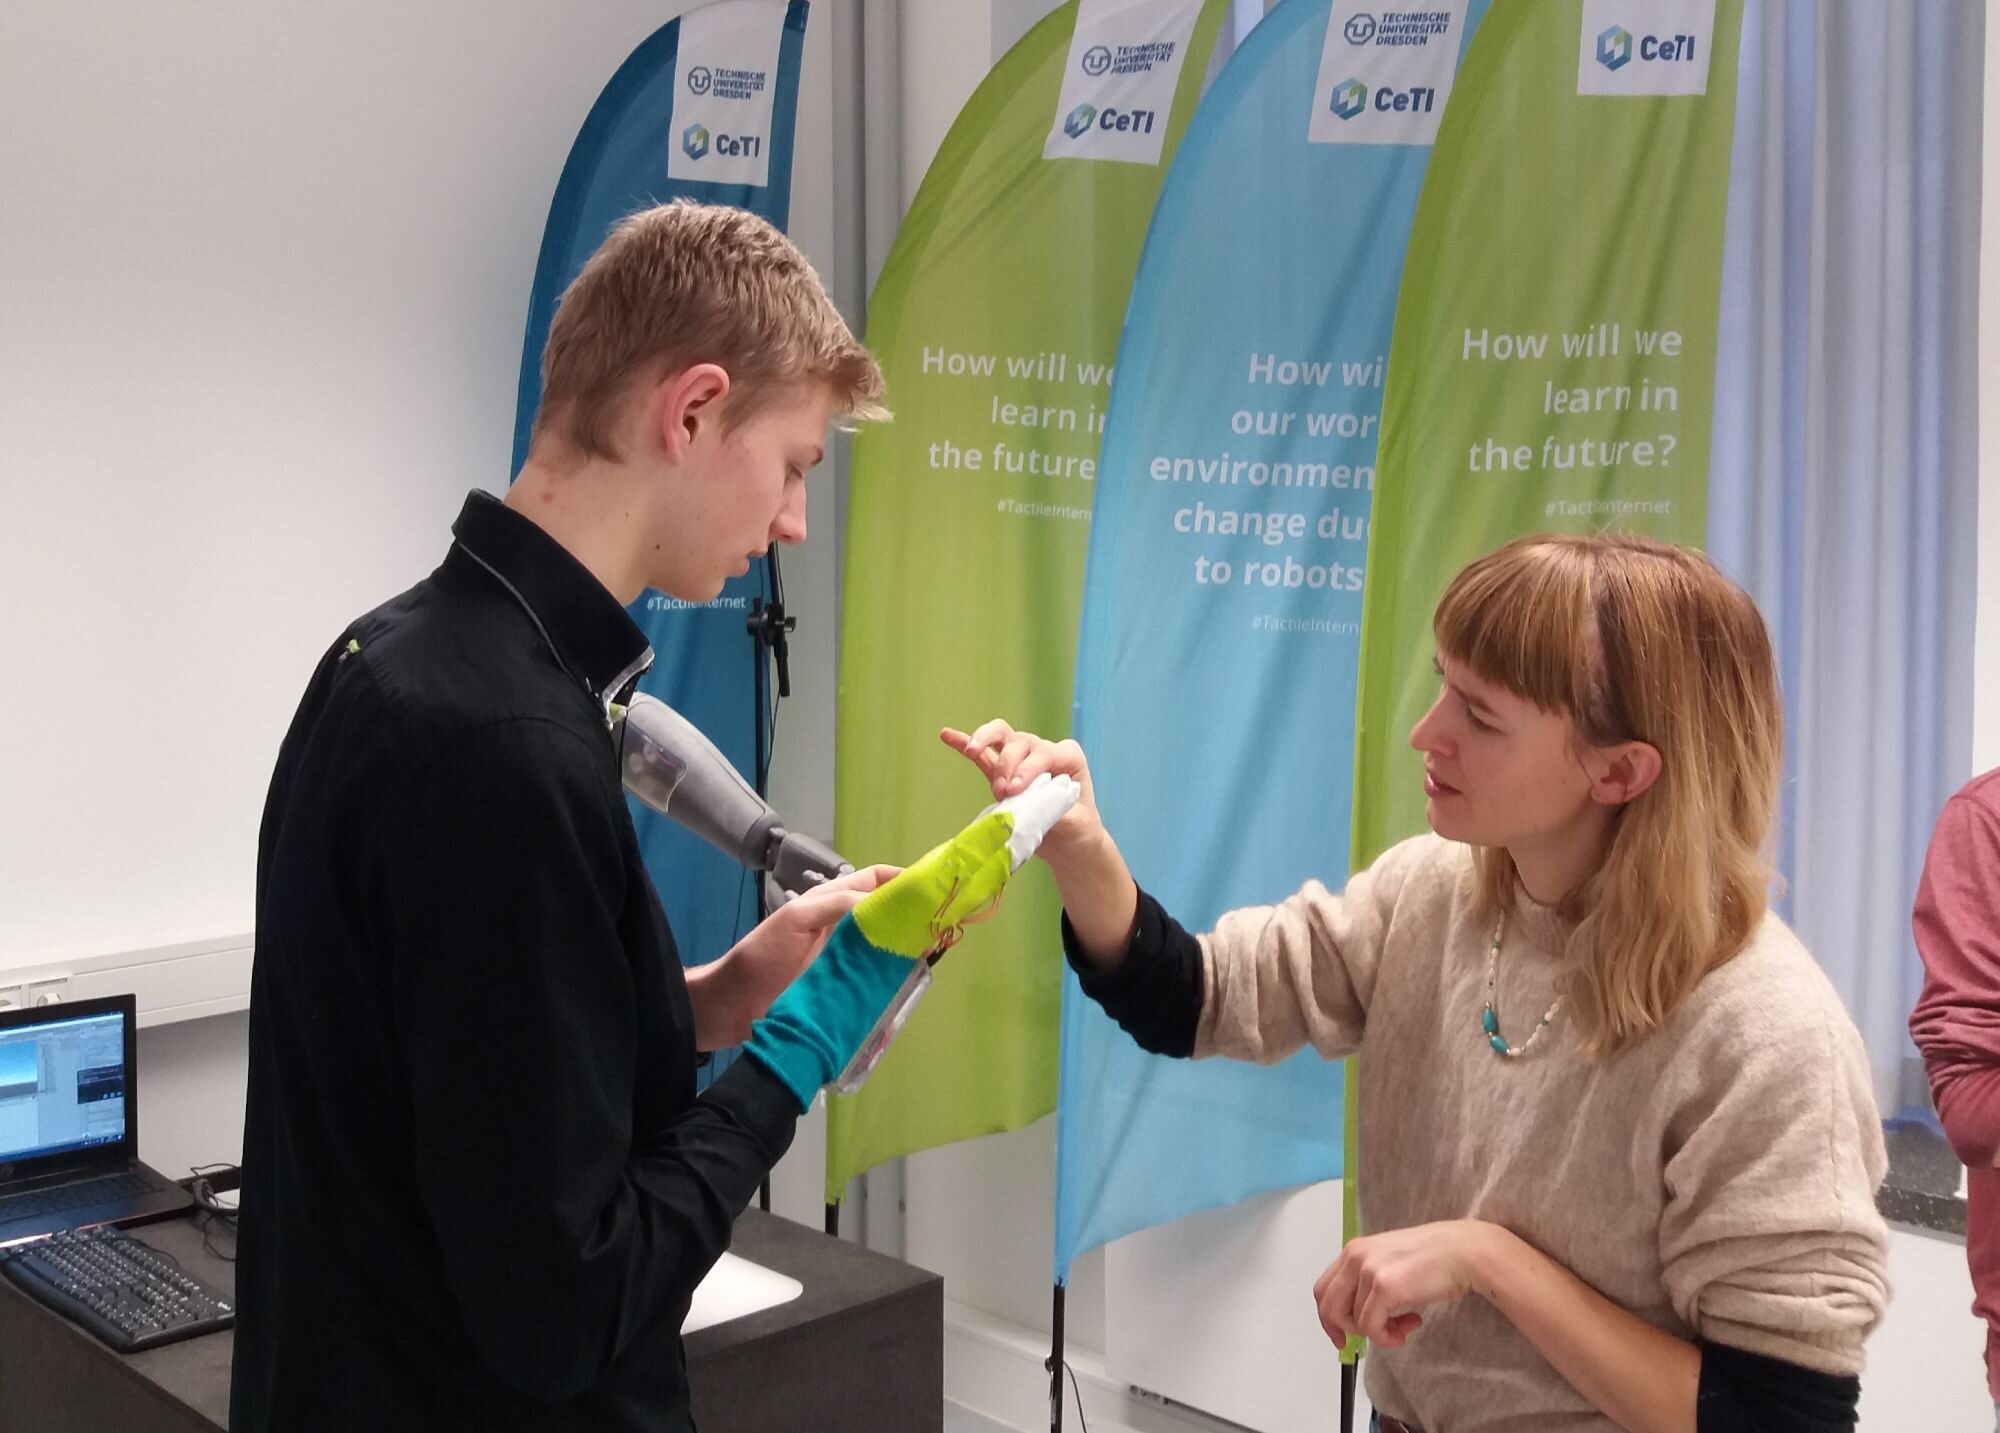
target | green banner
[
  {"x": 996, "y": 320},
  {"x": 1553, "y": 365}
]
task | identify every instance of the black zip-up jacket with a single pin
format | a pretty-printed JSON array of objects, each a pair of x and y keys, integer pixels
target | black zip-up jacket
[{"x": 479, "y": 1188}]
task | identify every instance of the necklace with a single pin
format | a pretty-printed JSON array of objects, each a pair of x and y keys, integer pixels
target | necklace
[{"x": 1489, "y": 1022}]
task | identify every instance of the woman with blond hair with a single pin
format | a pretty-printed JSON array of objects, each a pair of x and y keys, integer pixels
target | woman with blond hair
[{"x": 1618, "y": 1148}]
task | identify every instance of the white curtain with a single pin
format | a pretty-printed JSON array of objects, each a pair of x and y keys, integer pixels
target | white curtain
[{"x": 1844, "y": 473}]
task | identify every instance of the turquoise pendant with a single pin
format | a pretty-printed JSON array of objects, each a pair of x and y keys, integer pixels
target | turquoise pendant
[
  {"x": 1499, "y": 1045},
  {"x": 1489, "y": 1022}
]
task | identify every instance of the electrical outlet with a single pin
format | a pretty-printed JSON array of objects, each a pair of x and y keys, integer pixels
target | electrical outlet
[
  {"x": 44, "y": 992},
  {"x": 10, "y": 998}
]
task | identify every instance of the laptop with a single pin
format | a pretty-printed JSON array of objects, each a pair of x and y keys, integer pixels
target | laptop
[{"x": 69, "y": 1123}]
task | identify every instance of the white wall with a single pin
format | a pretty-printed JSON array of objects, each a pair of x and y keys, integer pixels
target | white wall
[
  {"x": 265, "y": 279},
  {"x": 945, "y": 54},
  {"x": 191, "y": 1093}
]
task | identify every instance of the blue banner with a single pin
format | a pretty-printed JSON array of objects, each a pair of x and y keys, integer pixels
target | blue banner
[
  {"x": 704, "y": 109},
  {"x": 1216, "y": 665}
]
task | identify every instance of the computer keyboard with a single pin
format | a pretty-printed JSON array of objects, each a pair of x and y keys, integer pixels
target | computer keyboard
[{"x": 132, "y": 1297}]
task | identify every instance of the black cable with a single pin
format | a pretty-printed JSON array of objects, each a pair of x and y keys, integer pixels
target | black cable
[
  {"x": 1049, "y": 1363},
  {"x": 202, "y": 1187},
  {"x": 761, "y": 767},
  {"x": 736, "y": 921},
  {"x": 214, "y": 1211},
  {"x": 714, "y": 1062},
  {"x": 207, "y": 1226},
  {"x": 1079, "y": 1396}
]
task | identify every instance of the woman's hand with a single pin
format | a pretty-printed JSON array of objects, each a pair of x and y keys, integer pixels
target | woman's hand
[
  {"x": 1097, "y": 890},
  {"x": 1640, "y": 1377},
  {"x": 1010, "y": 759},
  {"x": 1378, "y": 1283}
]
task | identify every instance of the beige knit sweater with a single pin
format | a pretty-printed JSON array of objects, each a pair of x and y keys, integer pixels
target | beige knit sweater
[{"x": 1717, "y": 1178}]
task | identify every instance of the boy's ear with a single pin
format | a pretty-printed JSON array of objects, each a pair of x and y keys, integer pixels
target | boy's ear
[{"x": 687, "y": 402}]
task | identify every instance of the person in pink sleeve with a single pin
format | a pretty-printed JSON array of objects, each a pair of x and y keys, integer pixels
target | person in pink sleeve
[{"x": 1956, "y": 1023}]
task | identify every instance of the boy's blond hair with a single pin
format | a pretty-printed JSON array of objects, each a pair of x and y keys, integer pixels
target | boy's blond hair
[{"x": 686, "y": 283}]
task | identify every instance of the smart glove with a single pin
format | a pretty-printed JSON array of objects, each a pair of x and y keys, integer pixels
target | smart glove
[{"x": 815, "y": 1028}]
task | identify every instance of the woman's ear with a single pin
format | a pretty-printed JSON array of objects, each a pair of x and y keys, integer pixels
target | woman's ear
[{"x": 1622, "y": 772}]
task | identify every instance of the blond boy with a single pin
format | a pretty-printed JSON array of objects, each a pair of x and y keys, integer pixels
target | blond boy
[{"x": 479, "y": 1186}]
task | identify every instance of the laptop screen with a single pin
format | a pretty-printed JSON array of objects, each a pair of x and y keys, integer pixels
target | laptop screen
[{"x": 64, "y": 1077}]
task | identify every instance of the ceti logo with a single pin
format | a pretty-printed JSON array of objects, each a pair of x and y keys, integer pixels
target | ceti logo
[
  {"x": 694, "y": 141},
  {"x": 699, "y": 79},
  {"x": 1350, "y": 97},
  {"x": 1096, "y": 60},
  {"x": 1418, "y": 99},
  {"x": 1615, "y": 48},
  {"x": 1086, "y": 117},
  {"x": 1126, "y": 121},
  {"x": 1667, "y": 47}
]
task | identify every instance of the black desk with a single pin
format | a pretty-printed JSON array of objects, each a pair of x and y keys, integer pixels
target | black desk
[{"x": 862, "y": 1348}]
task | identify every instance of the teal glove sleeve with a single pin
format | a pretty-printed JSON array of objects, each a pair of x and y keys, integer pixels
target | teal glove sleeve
[{"x": 814, "y": 1028}]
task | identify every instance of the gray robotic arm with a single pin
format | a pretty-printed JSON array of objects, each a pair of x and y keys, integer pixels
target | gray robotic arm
[{"x": 667, "y": 763}]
